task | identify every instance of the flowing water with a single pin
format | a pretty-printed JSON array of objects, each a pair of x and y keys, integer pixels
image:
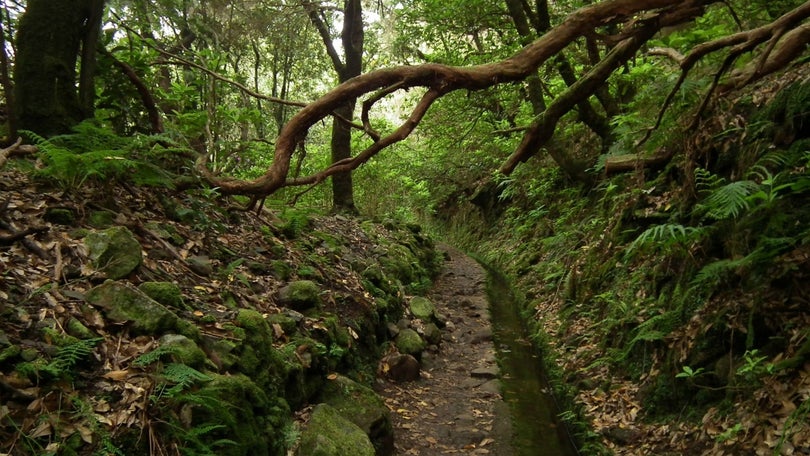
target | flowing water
[{"x": 537, "y": 430}]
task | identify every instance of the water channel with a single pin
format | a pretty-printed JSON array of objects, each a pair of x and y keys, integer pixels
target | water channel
[{"x": 536, "y": 428}]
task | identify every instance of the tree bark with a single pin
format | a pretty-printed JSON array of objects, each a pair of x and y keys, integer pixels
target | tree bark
[
  {"x": 51, "y": 35},
  {"x": 352, "y": 40}
]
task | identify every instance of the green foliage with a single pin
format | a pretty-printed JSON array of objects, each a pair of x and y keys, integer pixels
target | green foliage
[
  {"x": 96, "y": 154},
  {"x": 665, "y": 238},
  {"x": 62, "y": 364}
]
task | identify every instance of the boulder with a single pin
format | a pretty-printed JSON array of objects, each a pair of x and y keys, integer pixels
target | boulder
[
  {"x": 300, "y": 295},
  {"x": 363, "y": 407},
  {"x": 409, "y": 342},
  {"x": 328, "y": 433},
  {"x": 423, "y": 309},
  {"x": 123, "y": 303},
  {"x": 166, "y": 293},
  {"x": 400, "y": 368},
  {"x": 114, "y": 252}
]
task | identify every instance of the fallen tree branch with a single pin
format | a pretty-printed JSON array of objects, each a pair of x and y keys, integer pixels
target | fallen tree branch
[{"x": 5, "y": 153}]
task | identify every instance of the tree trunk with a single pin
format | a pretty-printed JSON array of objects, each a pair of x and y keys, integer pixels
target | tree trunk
[{"x": 49, "y": 41}]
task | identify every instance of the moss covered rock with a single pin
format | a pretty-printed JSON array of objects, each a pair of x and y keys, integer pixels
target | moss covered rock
[
  {"x": 363, "y": 407},
  {"x": 123, "y": 303},
  {"x": 114, "y": 252},
  {"x": 183, "y": 350},
  {"x": 330, "y": 434},
  {"x": 423, "y": 309},
  {"x": 300, "y": 295},
  {"x": 166, "y": 293},
  {"x": 257, "y": 422},
  {"x": 409, "y": 342}
]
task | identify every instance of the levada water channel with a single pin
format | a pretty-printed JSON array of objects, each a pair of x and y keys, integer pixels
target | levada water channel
[{"x": 536, "y": 428}]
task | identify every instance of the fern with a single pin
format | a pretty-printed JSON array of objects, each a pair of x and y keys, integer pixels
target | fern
[
  {"x": 730, "y": 200},
  {"x": 665, "y": 237},
  {"x": 93, "y": 153},
  {"x": 183, "y": 377},
  {"x": 69, "y": 355}
]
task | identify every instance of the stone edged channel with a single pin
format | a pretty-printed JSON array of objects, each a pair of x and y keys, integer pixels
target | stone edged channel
[{"x": 536, "y": 428}]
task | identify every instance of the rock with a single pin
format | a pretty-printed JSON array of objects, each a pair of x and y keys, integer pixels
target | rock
[
  {"x": 330, "y": 434},
  {"x": 243, "y": 413},
  {"x": 60, "y": 216},
  {"x": 409, "y": 342},
  {"x": 484, "y": 335},
  {"x": 166, "y": 293},
  {"x": 101, "y": 219},
  {"x": 114, "y": 252},
  {"x": 361, "y": 405},
  {"x": 432, "y": 334},
  {"x": 287, "y": 323},
  {"x": 393, "y": 330},
  {"x": 123, "y": 303},
  {"x": 300, "y": 295},
  {"x": 484, "y": 372},
  {"x": 201, "y": 265},
  {"x": 77, "y": 329},
  {"x": 183, "y": 350},
  {"x": 222, "y": 353},
  {"x": 491, "y": 387},
  {"x": 400, "y": 368},
  {"x": 423, "y": 309}
]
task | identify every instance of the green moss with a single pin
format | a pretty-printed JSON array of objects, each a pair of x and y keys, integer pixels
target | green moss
[
  {"x": 78, "y": 329},
  {"x": 409, "y": 342},
  {"x": 423, "y": 309},
  {"x": 287, "y": 323},
  {"x": 166, "y": 293},
  {"x": 184, "y": 351},
  {"x": 101, "y": 219},
  {"x": 253, "y": 419},
  {"x": 114, "y": 252},
  {"x": 330, "y": 434},
  {"x": 123, "y": 303},
  {"x": 300, "y": 295},
  {"x": 363, "y": 407}
]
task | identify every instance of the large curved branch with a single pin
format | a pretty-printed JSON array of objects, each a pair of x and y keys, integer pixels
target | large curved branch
[
  {"x": 441, "y": 79},
  {"x": 543, "y": 128}
]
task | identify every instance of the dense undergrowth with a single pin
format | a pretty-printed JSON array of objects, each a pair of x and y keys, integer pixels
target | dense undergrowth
[{"x": 673, "y": 305}]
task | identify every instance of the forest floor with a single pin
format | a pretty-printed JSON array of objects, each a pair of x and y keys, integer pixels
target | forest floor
[{"x": 456, "y": 407}]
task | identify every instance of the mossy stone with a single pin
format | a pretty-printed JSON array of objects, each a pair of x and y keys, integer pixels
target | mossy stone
[
  {"x": 166, "y": 293},
  {"x": 60, "y": 216},
  {"x": 123, "y": 303},
  {"x": 432, "y": 334},
  {"x": 300, "y": 295},
  {"x": 78, "y": 329},
  {"x": 223, "y": 351},
  {"x": 409, "y": 342},
  {"x": 9, "y": 353},
  {"x": 330, "y": 434},
  {"x": 101, "y": 219},
  {"x": 183, "y": 350},
  {"x": 114, "y": 252},
  {"x": 423, "y": 309},
  {"x": 253, "y": 419},
  {"x": 280, "y": 269},
  {"x": 287, "y": 323},
  {"x": 363, "y": 407}
]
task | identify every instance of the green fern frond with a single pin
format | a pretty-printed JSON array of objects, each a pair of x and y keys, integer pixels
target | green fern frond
[
  {"x": 69, "y": 355},
  {"x": 705, "y": 180},
  {"x": 153, "y": 356},
  {"x": 664, "y": 237},
  {"x": 730, "y": 200},
  {"x": 183, "y": 378}
]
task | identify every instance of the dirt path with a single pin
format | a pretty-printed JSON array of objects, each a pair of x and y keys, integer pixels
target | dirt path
[{"x": 456, "y": 407}]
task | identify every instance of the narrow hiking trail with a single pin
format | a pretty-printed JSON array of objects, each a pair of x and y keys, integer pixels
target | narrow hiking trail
[{"x": 456, "y": 406}]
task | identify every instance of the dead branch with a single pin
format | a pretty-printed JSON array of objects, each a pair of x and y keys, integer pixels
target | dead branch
[{"x": 5, "y": 153}]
